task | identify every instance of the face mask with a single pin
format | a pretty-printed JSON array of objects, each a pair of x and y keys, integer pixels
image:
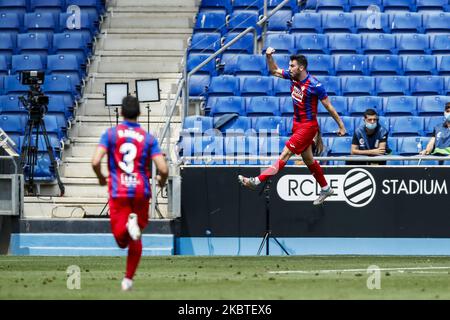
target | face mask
[
  {"x": 371, "y": 126},
  {"x": 447, "y": 116}
]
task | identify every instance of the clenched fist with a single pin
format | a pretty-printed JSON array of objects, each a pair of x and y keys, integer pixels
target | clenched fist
[{"x": 270, "y": 51}]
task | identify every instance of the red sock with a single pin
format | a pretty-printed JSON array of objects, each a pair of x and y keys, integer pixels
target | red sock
[
  {"x": 134, "y": 256},
  {"x": 317, "y": 173},
  {"x": 272, "y": 170}
]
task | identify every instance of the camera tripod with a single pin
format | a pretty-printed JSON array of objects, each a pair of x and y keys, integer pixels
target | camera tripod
[
  {"x": 29, "y": 151},
  {"x": 268, "y": 234}
]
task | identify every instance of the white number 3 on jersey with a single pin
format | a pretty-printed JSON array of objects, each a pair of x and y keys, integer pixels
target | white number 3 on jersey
[{"x": 129, "y": 152}]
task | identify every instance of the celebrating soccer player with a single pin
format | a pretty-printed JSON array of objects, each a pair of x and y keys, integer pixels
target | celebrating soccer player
[{"x": 306, "y": 91}]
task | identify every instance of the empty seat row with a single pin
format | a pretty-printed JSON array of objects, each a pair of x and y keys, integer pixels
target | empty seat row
[
  {"x": 364, "y": 22},
  {"x": 344, "y": 85},
  {"x": 93, "y": 7}
]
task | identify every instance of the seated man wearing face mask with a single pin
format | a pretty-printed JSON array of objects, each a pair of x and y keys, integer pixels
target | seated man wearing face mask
[
  {"x": 439, "y": 144},
  {"x": 370, "y": 139}
]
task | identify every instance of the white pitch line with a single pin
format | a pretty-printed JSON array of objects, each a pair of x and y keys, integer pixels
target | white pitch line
[{"x": 355, "y": 270}]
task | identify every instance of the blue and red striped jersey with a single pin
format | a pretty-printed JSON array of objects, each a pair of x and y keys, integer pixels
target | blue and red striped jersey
[
  {"x": 130, "y": 150},
  {"x": 305, "y": 96}
]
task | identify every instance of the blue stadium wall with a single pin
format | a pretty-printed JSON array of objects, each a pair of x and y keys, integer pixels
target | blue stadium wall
[{"x": 376, "y": 211}]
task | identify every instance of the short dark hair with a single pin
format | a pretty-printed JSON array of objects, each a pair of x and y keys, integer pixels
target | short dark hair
[
  {"x": 301, "y": 60},
  {"x": 447, "y": 105},
  {"x": 370, "y": 112},
  {"x": 130, "y": 107}
]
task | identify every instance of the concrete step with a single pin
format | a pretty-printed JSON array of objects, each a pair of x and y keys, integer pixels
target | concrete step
[
  {"x": 177, "y": 32},
  {"x": 95, "y": 244},
  {"x": 142, "y": 43},
  {"x": 139, "y": 64},
  {"x": 151, "y": 20},
  {"x": 155, "y": 3}
]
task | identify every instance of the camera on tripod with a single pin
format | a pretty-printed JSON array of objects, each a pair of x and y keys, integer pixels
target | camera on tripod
[{"x": 36, "y": 101}]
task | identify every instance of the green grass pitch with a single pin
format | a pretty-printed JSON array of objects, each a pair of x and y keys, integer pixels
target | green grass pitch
[{"x": 182, "y": 277}]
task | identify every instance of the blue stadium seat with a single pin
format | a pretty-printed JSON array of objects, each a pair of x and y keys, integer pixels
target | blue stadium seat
[
  {"x": 248, "y": 64},
  {"x": 42, "y": 22},
  {"x": 437, "y": 5},
  {"x": 242, "y": 19},
  {"x": 306, "y": 22},
  {"x": 93, "y": 7},
  {"x": 282, "y": 43},
  {"x": 443, "y": 65},
  {"x": 7, "y": 46},
  {"x": 447, "y": 86},
  {"x": 59, "y": 85},
  {"x": 369, "y": 22},
  {"x": 10, "y": 22},
  {"x": 392, "y": 86},
  {"x": 235, "y": 146},
  {"x": 280, "y": 21},
  {"x": 42, "y": 148},
  {"x": 286, "y": 107},
  {"x": 359, "y": 105},
  {"x": 409, "y": 146},
  {"x": 406, "y": 22},
  {"x": 311, "y": 43},
  {"x": 53, "y": 6},
  {"x": 198, "y": 84},
  {"x": 358, "y": 85},
  {"x": 236, "y": 126},
  {"x": 268, "y": 146},
  {"x": 282, "y": 60},
  {"x": 262, "y": 106},
  {"x": 269, "y": 125},
  {"x": 288, "y": 124},
  {"x": 339, "y": 103},
  {"x": 4, "y": 66},
  {"x": 87, "y": 27},
  {"x": 195, "y": 60},
  {"x": 436, "y": 22},
  {"x": 212, "y": 145},
  {"x": 335, "y": 5},
  {"x": 216, "y": 4},
  {"x": 338, "y": 22},
  {"x": 13, "y": 85},
  {"x": 351, "y": 65},
  {"x": 228, "y": 63},
  {"x": 71, "y": 43},
  {"x": 205, "y": 42},
  {"x": 399, "y": 5},
  {"x": 419, "y": 65},
  {"x": 400, "y": 106},
  {"x": 292, "y": 4},
  {"x": 281, "y": 87},
  {"x": 329, "y": 127},
  {"x": 26, "y": 62},
  {"x": 364, "y": 4},
  {"x": 406, "y": 126},
  {"x": 413, "y": 43},
  {"x": 11, "y": 105},
  {"x": 321, "y": 64},
  {"x": 14, "y": 6},
  {"x": 331, "y": 84},
  {"x": 432, "y": 105},
  {"x": 13, "y": 123},
  {"x": 247, "y": 4},
  {"x": 345, "y": 43},
  {"x": 196, "y": 125},
  {"x": 244, "y": 45},
  {"x": 427, "y": 85},
  {"x": 2, "y": 84},
  {"x": 256, "y": 86},
  {"x": 225, "y": 85},
  {"x": 33, "y": 43},
  {"x": 223, "y": 105},
  {"x": 65, "y": 64},
  {"x": 379, "y": 44},
  {"x": 431, "y": 123},
  {"x": 57, "y": 104},
  {"x": 385, "y": 65},
  {"x": 211, "y": 21},
  {"x": 340, "y": 146}
]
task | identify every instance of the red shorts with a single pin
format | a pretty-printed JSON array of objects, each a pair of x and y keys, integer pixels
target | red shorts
[
  {"x": 120, "y": 209},
  {"x": 303, "y": 134}
]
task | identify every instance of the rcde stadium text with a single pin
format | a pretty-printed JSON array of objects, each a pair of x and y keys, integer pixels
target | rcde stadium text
[
  {"x": 227, "y": 309},
  {"x": 414, "y": 187}
]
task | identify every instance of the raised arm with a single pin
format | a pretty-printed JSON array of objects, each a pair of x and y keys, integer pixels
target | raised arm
[
  {"x": 327, "y": 104},
  {"x": 273, "y": 68}
]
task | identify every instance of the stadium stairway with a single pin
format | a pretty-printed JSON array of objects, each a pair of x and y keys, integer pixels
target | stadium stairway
[{"x": 140, "y": 39}]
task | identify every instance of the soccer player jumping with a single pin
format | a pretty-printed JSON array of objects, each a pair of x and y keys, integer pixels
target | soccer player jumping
[
  {"x": 306, "y": 91},
  {"x": 130, "y": 150}
]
